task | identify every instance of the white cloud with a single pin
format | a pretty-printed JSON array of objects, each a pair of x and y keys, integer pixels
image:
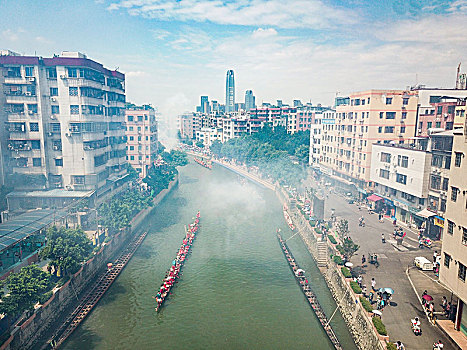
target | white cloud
[
  {"x": 11, "y": 35},
  {"x": 135, "y": 74},
  {"x": 43, "y": 40},
  {"x": 263, "y": 33},
  {"x": 277, "y": 13}
]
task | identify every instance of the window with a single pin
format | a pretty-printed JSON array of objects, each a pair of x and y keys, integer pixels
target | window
[
  {"x": 442, "y": 205},
  {"x": 404, "y": 115},
  {"x": 439, "y": 110},
  {"x": 29, "y": 71},
  {"x": 389, "y": 100},
  {"x": 437, "y": 160},
  {"x": 130, "y": 128},
  {"x": 454, "y": 193},
  {"x": 388, "y": 129},
  {"x": 390, "y": 115},
  {"x": 464, "y": 235},
  {"x": 447, "y": 162},
  {"x": 447, "y": 260},
  {"x": 78, "y": 179},
  {"x": 132, "y": 138},
  {"x": 380, "y": 129},
  {"x": 140, "y": 118},
  {"x": 53, "y": 91},
  {"x": 35, "y": 144},
  {"x": 132, "y": 157},
  {"x": 55, "y": 109},
  {"x": 132, "y": 148},
  {"x": 385, "y": 157},
  {"x": 34, "y": 127},
  {"x": 32, "y": 108},
  {"x": 384, "y": 173},
  {"x": 402, "y": 129},
  {"x": 72, "y": 72},
  {"x": 400, "y": 178},
  {"x": 55, "y": 127},
  {"x": 130, "y": 118},
  {"x": 461, "y": 273},
  {"x": 74, "y": 109},
  {"x": 73, "y": 91},
  {"x": 435, "y": 182},
  {"x": 381, "y": 115},
  {"x": 36, "y": 162},
  {"x": 58, "y": 162},
  {"x": 403, "y": 161},
  {"x": 405, "y": 101},
  {"x": 438, "y": 125},
  {"x": 458, "y": 159},
  {"x": 445, "y": 184},
  {"x": 52, "y": 73},
  {"x": 451, "y": 226},
  {"x": 428, "y": 125}
]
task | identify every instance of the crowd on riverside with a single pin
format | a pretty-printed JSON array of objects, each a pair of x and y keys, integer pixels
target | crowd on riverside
[{"x": 174, "y": 272}]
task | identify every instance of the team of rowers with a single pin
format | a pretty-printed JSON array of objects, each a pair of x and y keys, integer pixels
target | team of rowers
[
  {"x": 303, "y": 281},
  {"x": 206, "y": 164},
  {"x": 174, "y": 272}
]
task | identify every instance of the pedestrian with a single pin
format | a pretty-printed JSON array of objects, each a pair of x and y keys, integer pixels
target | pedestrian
[
  {"x": 432, "y": 309},
  {"x": 435, "y": 255},
  {"x": 373, "y": 284},
  {"x": 382, "y": 238},
  {"x": 363, "y": 259},
  {"x": 444, "y": 303},
  {"x": 447, "y": 309},
  {"x": 370, "y": 297},
  {"x": 364, "y": 291},
  {"x": 399, "y": 345},
  {"x": 359, "y": 280},
  {"x": 394, "y": 223}
]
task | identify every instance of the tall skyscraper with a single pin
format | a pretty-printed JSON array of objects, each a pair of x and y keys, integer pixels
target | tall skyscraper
[
  {"x": 204, "y": 104},
  {"x": 249, "y": 100},
  {"x": 230, "y": 92}
]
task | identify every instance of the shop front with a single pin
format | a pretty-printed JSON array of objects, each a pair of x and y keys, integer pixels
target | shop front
[{"x": 375, "y": 202}]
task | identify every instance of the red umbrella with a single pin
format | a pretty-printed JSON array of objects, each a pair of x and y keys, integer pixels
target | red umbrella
[{"x": 427, "y": 297}]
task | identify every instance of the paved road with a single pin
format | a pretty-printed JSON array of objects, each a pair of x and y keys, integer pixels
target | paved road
[{"x": 391, "y": 272}]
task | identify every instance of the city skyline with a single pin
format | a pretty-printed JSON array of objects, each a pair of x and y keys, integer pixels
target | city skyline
[{"x": 303, "y": 45}]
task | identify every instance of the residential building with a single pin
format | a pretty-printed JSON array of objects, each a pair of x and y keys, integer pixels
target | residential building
[
  {"x": 204, "y": 104},
  {"x": 400, "y": 173},
  {"x": 362, "y": 119},
  {"x": 209, "y": 135},
  {"x": 249, "y": 100},
  {"x": 142, "y": 137},
  {"x": 64, "y": 120},
  {"x": 189, "y": 123},
  {"x": 316, "y": 131},
  {"x": 297, "y": 103},
  {"x": 453, "y": 269},
  {"x": 439, "y": 117},
  {"x": 230, "y": 92},
  {"x": 460, "y": 113}
]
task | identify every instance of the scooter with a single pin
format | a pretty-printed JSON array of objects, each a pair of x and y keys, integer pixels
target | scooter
[
  {"x": 438, "y": 346},
  {"x": 416, "y": 329},
  {"x": 361, "y": 222}
]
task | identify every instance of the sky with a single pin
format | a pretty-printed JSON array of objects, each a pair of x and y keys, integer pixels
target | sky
[{"x": 174, "y": 51}]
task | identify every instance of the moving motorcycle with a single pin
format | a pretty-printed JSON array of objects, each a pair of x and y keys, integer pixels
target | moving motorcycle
[{"x": 416, "y": 329}]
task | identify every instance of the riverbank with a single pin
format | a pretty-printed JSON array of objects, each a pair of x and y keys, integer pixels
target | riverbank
[{"x": 28, "y": 333}]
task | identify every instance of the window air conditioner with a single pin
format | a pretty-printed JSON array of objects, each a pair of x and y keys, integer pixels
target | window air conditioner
[{"x": 53, "y": 99}]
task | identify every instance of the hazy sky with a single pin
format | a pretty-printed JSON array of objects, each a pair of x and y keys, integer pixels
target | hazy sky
[{"x": 174, "y": 51}]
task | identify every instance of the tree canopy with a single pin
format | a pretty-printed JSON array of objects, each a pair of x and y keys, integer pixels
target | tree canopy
[
  {"x": 66, "y": 248},
  {"x": 25, "y": 289}
]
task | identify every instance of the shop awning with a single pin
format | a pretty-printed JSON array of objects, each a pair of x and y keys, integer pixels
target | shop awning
[
  {"x": 425, "y": 213},
  {"x": 374, "y": 198}
]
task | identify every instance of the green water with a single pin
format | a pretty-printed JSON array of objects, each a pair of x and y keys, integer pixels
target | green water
[{"x": 236, "y": 291}]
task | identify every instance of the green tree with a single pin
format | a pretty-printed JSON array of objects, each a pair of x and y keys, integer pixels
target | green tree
[
  {"x": 343, "y": 228},
  {"x": 66, "y": 249},
  {"x": 25, "y": 289},
  {"x": 199, "y": 144},
  {"x": 302, "y": 152},
  {"x": 216, "y": 147},
  {"x": 348, "y": 248}
]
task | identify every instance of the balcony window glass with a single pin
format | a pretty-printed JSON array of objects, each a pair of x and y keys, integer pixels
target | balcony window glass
[
  {"x": 36, "y": 162},
  {"x": 388, "y": 100},
  {"x": 34, "y": 127},
  {"x": 73, "y": 91},
  {"x": 74, "y": 109},
  {"x": 402, "y": 179},
  {"x": 55, "y": 109},
  {"x": 454, "y": 193},
  {"x": 461, "y": 273},
  {"x": 29, "y": 71}
]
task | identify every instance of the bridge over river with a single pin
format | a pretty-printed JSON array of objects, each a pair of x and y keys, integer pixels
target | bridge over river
[{"x": 236, "y": 291}]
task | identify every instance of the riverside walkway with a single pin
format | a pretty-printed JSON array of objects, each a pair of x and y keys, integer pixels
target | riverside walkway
[
  {"x": 310, "y": 296},
  {"x": 92, "y": 297}
]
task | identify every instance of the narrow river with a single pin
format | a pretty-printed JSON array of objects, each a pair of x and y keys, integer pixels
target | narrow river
[{"x": 236, "y": 291}]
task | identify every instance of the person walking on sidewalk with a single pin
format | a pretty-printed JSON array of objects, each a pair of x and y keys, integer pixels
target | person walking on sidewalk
[
  {"x": 373, "y": 284},
  {"x": 435, "y": 255},
  {"x": 399, "y": 345},
  {"x": 363, "y": 259}
]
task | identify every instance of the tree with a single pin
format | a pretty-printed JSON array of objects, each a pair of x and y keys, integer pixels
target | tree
[
  {"x": 216, "y": 147},
  {"x": 199, "y": 144},
  {"x": 66, "y": 249},
  {"x": 348, "y": 248},
  {"x": 25, "y": 289},
  {"x": 175, "y": 158},
  {"x": 302, "y": 152},
  {"x": 343, "y": 228}
]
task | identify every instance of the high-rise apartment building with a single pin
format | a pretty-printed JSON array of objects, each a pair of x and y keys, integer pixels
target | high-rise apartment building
[
  {"x": 204, "y": 104},
  {"x": 364, "y": 118},
  {"x": 249, "y": 100},
  {"x": 64, "y": 119},
  {"x": 230, "y": 92},
  {"x": 142, "y": 137}
]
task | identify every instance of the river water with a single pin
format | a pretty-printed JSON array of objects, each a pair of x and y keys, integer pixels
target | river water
[{"x": 236, "y": 291}]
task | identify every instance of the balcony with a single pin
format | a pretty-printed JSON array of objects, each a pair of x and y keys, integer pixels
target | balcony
[
  {"x": 20, "y": 80},
  {"x": 25, "y": 98}
]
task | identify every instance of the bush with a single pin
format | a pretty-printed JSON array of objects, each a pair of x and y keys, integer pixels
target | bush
[
  {"x": 346, "y": 272},
  {"x": 299, "y": 207},
  {"x": 391, "y": 346},
  {"x": 379, "y": 325},
  {"x": 318, "y": 231},
  {"x": 44, "y": 297},
  {"x": 366, "y": 304},
  {"x": 355, "y": 287},
  {"x": 338, "y": 260},
  {"x": 332, "y": 239}
]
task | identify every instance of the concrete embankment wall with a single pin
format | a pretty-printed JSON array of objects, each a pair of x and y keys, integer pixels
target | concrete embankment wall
[
  {"x": 359, "y": 324},
  {"x": 26, "y": 333}
]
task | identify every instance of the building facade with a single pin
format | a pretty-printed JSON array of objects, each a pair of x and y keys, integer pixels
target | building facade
[
  {"x": 230, "y": 92},
  {"x": 249, "y": 100},
  {"x": 142, "y": 137},
  {"x": 64, "y": 119},
  {"x": 362, "y": 119},
  {"x": 453, "y": 269}
]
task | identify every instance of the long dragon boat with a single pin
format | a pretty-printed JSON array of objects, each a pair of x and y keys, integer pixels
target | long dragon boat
[
  {"x": 207, "y": 164},
  {"x": 301, "y": 279},
  {"x": 288, "y": 219},
  {"x": 173, "y": 274}
]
